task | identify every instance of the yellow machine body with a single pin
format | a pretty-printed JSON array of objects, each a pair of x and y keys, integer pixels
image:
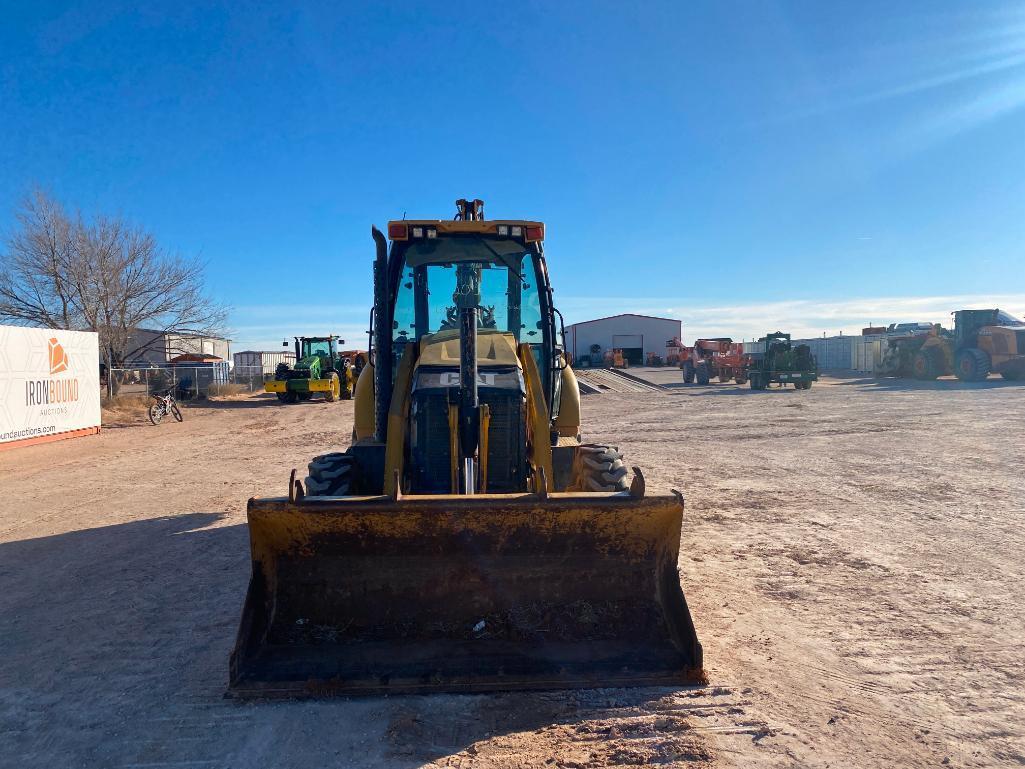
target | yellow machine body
[{"x": 554, "y": 585}]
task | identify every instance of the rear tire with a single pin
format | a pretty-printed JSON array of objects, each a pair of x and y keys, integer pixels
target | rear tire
[
  {"x": 688, "y": 372},
  {"x": 291, "y": 397},
  {"x": 756, "y": 382},
  {"x": 972, "y": 365},
  {"x": 282, "y": 397},
  {"x": 1011, "y": 376},
  {"x": 176, "y": 412},
  {"x": 330, "y": 475},
  {"x": 598, "y": 468}
]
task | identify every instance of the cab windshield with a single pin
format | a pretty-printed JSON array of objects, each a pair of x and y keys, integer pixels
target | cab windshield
[
  {"x": 509, "y": 300},
  {"x": 1006, "y": 319},
  {"x": 315, "y": 347}
]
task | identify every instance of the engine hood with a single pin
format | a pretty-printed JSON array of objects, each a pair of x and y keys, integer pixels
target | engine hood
[{"x": 494, "y": 349}]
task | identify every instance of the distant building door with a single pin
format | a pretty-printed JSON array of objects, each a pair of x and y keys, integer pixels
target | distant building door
[{"x": 632, "y": 346}]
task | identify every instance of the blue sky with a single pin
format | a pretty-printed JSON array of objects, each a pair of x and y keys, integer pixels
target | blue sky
[{"x": 814, "y": 166}]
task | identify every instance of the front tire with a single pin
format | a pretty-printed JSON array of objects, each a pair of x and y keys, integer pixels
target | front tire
[
  {"x": 924, "y": 366},
  {"x": 688, "y": 372},
  {"x": 598, "y": 468},
  {"x": 335, "y": 387},
  {"x": 972, "y": 365},
  {"x": 330, "y": 475},
  {"x": 156, "y": 413},
  {"x": 702, "y": 374}
]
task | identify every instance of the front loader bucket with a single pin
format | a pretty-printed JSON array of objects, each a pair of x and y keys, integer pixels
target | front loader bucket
[{"x": 355, "y": 595}]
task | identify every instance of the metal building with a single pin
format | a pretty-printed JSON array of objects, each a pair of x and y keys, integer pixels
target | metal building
[
  {"x": 635, "y": 335},
  {"x": 155, "y": 348}
]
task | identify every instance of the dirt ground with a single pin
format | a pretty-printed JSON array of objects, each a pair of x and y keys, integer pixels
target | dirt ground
[{"x": 852, "y": 556}]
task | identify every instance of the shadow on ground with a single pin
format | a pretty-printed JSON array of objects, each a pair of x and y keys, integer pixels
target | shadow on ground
[
  {"x": 946, "y": 383},
  {"x": 115, "y": 651},
  {"x": 700, "y": 391}
]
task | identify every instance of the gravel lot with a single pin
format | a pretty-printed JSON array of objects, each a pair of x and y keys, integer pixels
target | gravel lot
[{"x": 852, "y": 557}]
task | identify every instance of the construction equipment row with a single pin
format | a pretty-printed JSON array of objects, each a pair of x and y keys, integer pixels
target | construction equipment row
[
  {"x": 774, "y": 360},
  {"x": 982, "y": 342}
]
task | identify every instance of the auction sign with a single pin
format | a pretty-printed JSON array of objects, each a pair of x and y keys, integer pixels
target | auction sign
[{"x": 49, "y": 385}]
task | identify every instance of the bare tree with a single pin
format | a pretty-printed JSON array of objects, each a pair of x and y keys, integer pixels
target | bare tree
[
  {"x": 106, "y": 275},
  {"x": 35, "y": 274}
]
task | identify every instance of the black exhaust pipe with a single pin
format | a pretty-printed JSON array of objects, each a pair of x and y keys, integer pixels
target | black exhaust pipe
[{"x": 382, "y": 339}]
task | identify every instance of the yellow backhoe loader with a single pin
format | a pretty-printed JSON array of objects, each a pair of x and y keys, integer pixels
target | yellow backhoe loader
[{"x": 467, "y": 540}]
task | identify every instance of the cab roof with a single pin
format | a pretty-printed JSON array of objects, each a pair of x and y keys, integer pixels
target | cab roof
[{"x": 529, "y": 231}]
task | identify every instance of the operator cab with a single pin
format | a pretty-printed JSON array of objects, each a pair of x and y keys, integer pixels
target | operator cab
[
  {"x": 434, "y": 261},
  {"x": 444, "y": 274}
]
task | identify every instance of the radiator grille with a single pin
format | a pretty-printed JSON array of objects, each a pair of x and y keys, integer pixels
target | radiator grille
[{"x": 429, "y": 441}]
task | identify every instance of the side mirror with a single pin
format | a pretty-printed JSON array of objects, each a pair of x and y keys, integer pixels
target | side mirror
[
  {"x": 285, "y": 343},
  {"x": 559, "y": 361}
]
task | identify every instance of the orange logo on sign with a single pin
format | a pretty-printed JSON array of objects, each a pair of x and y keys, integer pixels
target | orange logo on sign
[{"x": 58, "y": 358}]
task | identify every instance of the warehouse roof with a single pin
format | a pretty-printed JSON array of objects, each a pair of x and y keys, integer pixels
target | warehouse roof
[{"x": 626, "y": 315}]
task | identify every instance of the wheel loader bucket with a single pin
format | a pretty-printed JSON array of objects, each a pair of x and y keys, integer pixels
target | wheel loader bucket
[{"x": 361, "y": 595}]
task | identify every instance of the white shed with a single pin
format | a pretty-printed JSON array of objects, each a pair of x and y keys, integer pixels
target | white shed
[
  {"x": 635, "y": 335},
  {"x": 258, "y": 363}
]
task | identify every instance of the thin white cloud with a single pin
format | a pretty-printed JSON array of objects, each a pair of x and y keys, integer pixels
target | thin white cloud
[
  {"x": 989, "y": 66},
  {"x": 263, "y": 310},
  {"x": 986, "y": 106},
  {"x": 972, "y": 68}
]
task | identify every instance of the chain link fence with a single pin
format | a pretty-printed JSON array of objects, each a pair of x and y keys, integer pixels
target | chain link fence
[{"x": 188, "y": 382}]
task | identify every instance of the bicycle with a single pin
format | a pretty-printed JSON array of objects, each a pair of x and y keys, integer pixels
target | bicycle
[{"x": 165, "y": 404}]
